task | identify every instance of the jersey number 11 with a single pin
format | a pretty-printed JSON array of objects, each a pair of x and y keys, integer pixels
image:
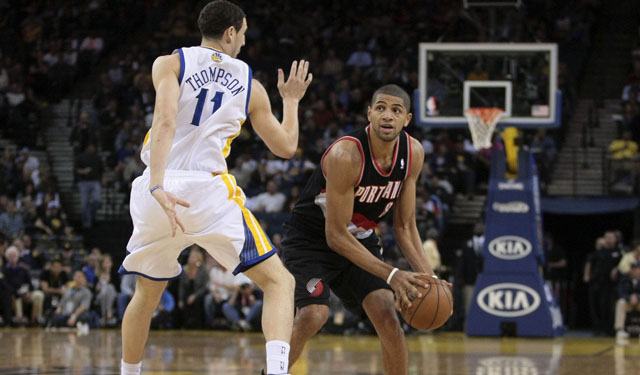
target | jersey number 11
[{"x": 202, "y": 96}]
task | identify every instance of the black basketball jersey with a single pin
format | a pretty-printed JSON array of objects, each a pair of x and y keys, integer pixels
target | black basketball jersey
[{"x": 375, "y": 192}]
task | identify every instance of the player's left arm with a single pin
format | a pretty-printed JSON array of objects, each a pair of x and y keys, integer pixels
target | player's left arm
[{"x": 404, "y": 215}]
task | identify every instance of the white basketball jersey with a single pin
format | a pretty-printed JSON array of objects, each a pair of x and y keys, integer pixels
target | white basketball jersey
[{"x": 214, "y": 101}]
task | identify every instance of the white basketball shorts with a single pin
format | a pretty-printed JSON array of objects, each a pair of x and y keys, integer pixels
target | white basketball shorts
[{"x": 216, "y": 221}]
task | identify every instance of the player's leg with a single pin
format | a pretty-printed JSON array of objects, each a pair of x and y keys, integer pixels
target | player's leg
[
  {"x": 379, "y": 306},
  {"x": 137, "y": 319},
  {"x": 277, "y": 310},
  {"x": 309, "y": 319}
]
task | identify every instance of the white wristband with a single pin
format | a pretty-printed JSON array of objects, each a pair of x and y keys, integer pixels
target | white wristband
[{"x": 393, "y": 271}]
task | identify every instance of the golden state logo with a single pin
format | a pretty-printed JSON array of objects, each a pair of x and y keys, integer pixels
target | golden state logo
[{"x": 216, "y": 57}]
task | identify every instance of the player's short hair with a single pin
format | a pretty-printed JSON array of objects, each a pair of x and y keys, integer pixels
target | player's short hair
[
  {"x": 217, "y": 16},
  {"x": 393, "y": 90}
]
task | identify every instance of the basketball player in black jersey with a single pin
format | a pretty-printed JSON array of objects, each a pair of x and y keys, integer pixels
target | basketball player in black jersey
[{"x": 330, "y": 243}]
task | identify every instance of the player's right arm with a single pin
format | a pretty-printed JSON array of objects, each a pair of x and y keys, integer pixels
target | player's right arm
[
  {"x": 164, "y": 73},
  {"x": 280, "y": 138},
  {"x": 341, "y": 166}
]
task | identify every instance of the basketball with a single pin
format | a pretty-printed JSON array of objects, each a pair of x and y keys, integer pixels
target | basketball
[{"x": 431, "y": 310}]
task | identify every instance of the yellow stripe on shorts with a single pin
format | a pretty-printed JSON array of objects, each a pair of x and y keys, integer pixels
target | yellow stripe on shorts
[{"x": 262, "y": 243}]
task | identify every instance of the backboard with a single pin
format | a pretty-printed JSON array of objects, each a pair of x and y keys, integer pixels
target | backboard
[{"x": 520, "y": 78}]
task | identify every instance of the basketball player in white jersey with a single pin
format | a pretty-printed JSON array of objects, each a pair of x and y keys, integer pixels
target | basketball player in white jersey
[{"x": 203, "y": 96}]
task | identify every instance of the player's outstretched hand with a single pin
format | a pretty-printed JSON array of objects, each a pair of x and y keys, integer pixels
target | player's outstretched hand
[
  {"x": 168, "y": 203},
  {"x": 298, "y": 81},
  {"x": 404, "y": 285}
]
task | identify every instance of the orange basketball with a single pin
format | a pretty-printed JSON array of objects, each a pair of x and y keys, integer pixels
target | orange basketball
[{"x": 433, "y": 309}]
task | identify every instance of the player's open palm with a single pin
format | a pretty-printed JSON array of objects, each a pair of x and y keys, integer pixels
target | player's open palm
[
  {"x": 405, "y": 284},
  {"x": 168, "y": 203},
  {"x": 298, "y": 81}
]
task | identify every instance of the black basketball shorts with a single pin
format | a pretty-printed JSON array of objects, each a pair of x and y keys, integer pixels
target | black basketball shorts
[{"x": 317, "y": 268}]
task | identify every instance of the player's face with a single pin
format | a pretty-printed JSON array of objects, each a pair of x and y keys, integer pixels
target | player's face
[
  {"x": 388, "y": 116},
  {"x": 238, "y": 40}
]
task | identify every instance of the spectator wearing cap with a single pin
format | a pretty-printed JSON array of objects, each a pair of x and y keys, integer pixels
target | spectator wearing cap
[
  {"x": 629, "y": 289},
  {"x": 53, "y": 221}
]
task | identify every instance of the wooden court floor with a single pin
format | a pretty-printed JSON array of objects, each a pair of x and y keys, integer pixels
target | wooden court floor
[{"x": 36, "y": 351}]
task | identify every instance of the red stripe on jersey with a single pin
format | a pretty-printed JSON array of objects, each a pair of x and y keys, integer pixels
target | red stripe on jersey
[{"x": 347, "y": 138}]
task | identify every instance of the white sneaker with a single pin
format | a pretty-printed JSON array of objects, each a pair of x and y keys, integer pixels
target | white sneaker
[{"x": 622, "y": 334}]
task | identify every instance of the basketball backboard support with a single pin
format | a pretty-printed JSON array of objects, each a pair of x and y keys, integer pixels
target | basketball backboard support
[{"x": 520, "y": 78}]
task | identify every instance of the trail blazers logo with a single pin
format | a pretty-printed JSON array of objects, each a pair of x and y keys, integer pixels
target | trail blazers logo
[{"x": 315, "y": 287}]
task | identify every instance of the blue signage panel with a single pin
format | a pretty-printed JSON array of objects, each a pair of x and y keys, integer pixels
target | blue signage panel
[
  {"x": 510, "y": 291},
  {"x": 524, "y": 300}
]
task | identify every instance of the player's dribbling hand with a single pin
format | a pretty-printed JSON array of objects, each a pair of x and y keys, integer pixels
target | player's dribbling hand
[
  {"x": 404, "y": 285},
  {"x": 298, "y": 81},
  {"x": 168, "y": 203}
]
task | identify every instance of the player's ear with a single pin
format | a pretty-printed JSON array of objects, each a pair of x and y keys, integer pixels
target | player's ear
[
  {"x": 229, "y": 33},
  {"x": 369, "y": 113},
  {"x": 408, "y": 119}
]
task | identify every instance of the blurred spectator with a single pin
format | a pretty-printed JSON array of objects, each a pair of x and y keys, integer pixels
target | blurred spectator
[
  {"x": 297, "y": 169},
  {"x": 271, "y": 201},
  {"x": 360, "y": 57},
  {"x": 243, "y": 169},
  {"x": 105, "y": 291},
  {"x": 599, "y": 274},
  {"x": 75, "y": 303},
  {"x": 11, "y": 221},
  {"x": 6, "y": 312},
  {"x": 29, "y": 259},
  {"x": 53, "y": 221},
  {"x": 90, "y": 267},
  {"x": 244, "y": 308},
  {"x": 624, "y": 267},
  {"x": 555, "y": 271},
  {"x": 469, "y": 264},
  {"x": 192, "y": 289},
  {"x": 52, "y": 283},
  {"x": 623, "y": 148},
  {"x": 20, "y": 286},
  {"x": 544, "y": 151},
  {"x": 161, "y": 318},
  {"x": 127, "y": 287},
  {"x": 629, "y": 289},
  {"x": 222, "y": 284},
  {"x": 89, "y": 170},
  {"x": 430, "y": 248},
  {"x": 82, "y": 134}
]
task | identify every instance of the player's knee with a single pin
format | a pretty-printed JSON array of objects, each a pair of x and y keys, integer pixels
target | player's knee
[{"x": 313, "y": 316}]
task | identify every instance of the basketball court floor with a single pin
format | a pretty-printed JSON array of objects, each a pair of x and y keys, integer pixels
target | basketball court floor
[{"x": 36, "y": 351}]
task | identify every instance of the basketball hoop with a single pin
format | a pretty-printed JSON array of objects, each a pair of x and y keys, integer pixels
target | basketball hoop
[{"x": 482, "y": 122}]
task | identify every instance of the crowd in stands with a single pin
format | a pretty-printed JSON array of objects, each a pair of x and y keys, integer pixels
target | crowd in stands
[
  {"x": 623, "y": 151},
  {"x": 105, "y": 51}
]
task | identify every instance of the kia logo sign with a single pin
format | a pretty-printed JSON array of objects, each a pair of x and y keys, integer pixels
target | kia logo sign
[
  {"x": 509, "y": 247},
  {"x": 514, "y": 207},
  {"x": 508, "y": 300}
]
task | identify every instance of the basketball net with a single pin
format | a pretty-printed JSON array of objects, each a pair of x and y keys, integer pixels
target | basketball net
[{"x": 482, "y": 122}]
